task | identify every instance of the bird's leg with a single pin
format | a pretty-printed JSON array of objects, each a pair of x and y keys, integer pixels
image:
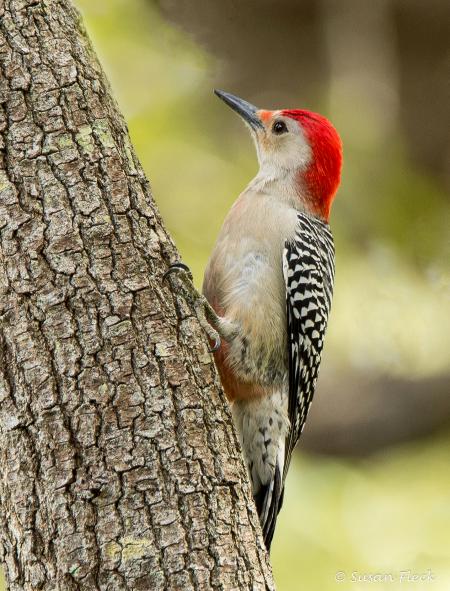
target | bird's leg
[{"x": 214, "y": 326}]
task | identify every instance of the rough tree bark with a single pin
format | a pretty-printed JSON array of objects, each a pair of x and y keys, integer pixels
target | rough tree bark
[{"x": 119, "y": 465}]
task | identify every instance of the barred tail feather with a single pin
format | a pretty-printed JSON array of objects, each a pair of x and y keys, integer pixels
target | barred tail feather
[{"x": 269, "y": 500}]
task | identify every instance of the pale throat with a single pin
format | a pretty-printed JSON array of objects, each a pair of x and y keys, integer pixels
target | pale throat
[{"x": 287, "y": 185}]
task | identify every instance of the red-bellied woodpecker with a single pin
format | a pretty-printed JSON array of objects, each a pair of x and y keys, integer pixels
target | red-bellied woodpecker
[{"x": 269, "y": 282}]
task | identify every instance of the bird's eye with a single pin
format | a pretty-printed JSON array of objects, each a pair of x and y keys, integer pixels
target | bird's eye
[{"x": 279, "y": 127}]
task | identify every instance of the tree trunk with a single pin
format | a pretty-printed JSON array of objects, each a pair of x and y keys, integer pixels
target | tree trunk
[{"x": 120, "y": 467}]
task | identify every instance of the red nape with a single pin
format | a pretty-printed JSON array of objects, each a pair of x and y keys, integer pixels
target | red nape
[{"x": 324, "y": 173}]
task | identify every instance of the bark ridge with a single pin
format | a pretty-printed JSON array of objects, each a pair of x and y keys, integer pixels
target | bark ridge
[{"x": 119, "y": 466}]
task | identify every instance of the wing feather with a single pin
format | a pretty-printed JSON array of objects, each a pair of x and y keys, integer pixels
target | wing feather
[{"x": 308, "y": 268}]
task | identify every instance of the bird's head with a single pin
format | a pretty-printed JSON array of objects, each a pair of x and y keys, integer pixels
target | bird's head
[{"x": 297, "y": 146}]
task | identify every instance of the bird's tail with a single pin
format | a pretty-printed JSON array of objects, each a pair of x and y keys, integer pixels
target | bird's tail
[
  {"x": 262, "y": 429},
  {"x": 269, "y": 500}
]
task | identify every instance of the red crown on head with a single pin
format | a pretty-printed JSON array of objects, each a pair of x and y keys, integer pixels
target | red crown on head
[{"x": 323, "y": 174}]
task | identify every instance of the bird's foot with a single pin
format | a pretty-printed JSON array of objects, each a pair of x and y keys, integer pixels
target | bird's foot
[{"x": 208, "y": 319}]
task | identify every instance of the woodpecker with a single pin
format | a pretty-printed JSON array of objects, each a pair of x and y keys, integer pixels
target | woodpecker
[{"x": 268, "y": 287}]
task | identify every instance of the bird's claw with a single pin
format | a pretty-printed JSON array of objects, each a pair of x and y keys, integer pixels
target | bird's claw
[
  {"x": 216, "y": 346},
  {"x": 177, "y": 267},
  {"x": 197, "y": 301}
]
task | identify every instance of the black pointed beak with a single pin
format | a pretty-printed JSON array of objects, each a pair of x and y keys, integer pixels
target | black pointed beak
[{"x": 246, "y": 110}]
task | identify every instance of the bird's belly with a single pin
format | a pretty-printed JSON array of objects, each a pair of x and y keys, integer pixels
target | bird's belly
[
  {"x": 244, "y": 283},
  {"x": 256, "y": 358}
]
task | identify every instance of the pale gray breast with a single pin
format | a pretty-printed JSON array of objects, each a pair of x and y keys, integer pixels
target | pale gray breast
[{"x": 245, "y": 280}]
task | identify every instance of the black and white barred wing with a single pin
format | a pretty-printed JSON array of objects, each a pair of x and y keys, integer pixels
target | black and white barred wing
[{"x": 308, "y": 268}]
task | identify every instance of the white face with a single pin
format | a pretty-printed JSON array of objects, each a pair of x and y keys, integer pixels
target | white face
[{"x": 281, "y": 145}]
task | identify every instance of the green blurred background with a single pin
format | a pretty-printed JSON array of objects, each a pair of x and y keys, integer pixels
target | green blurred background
[{"x": 369, "y": 488}]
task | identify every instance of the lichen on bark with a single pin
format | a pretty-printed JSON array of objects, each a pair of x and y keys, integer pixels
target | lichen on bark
[{"x": 119, "y": 465}]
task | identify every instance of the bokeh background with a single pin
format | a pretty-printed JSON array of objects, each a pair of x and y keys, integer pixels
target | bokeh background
[
  {"x": 369, "y": 488},
  {"x": 369, "y": 491}
]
